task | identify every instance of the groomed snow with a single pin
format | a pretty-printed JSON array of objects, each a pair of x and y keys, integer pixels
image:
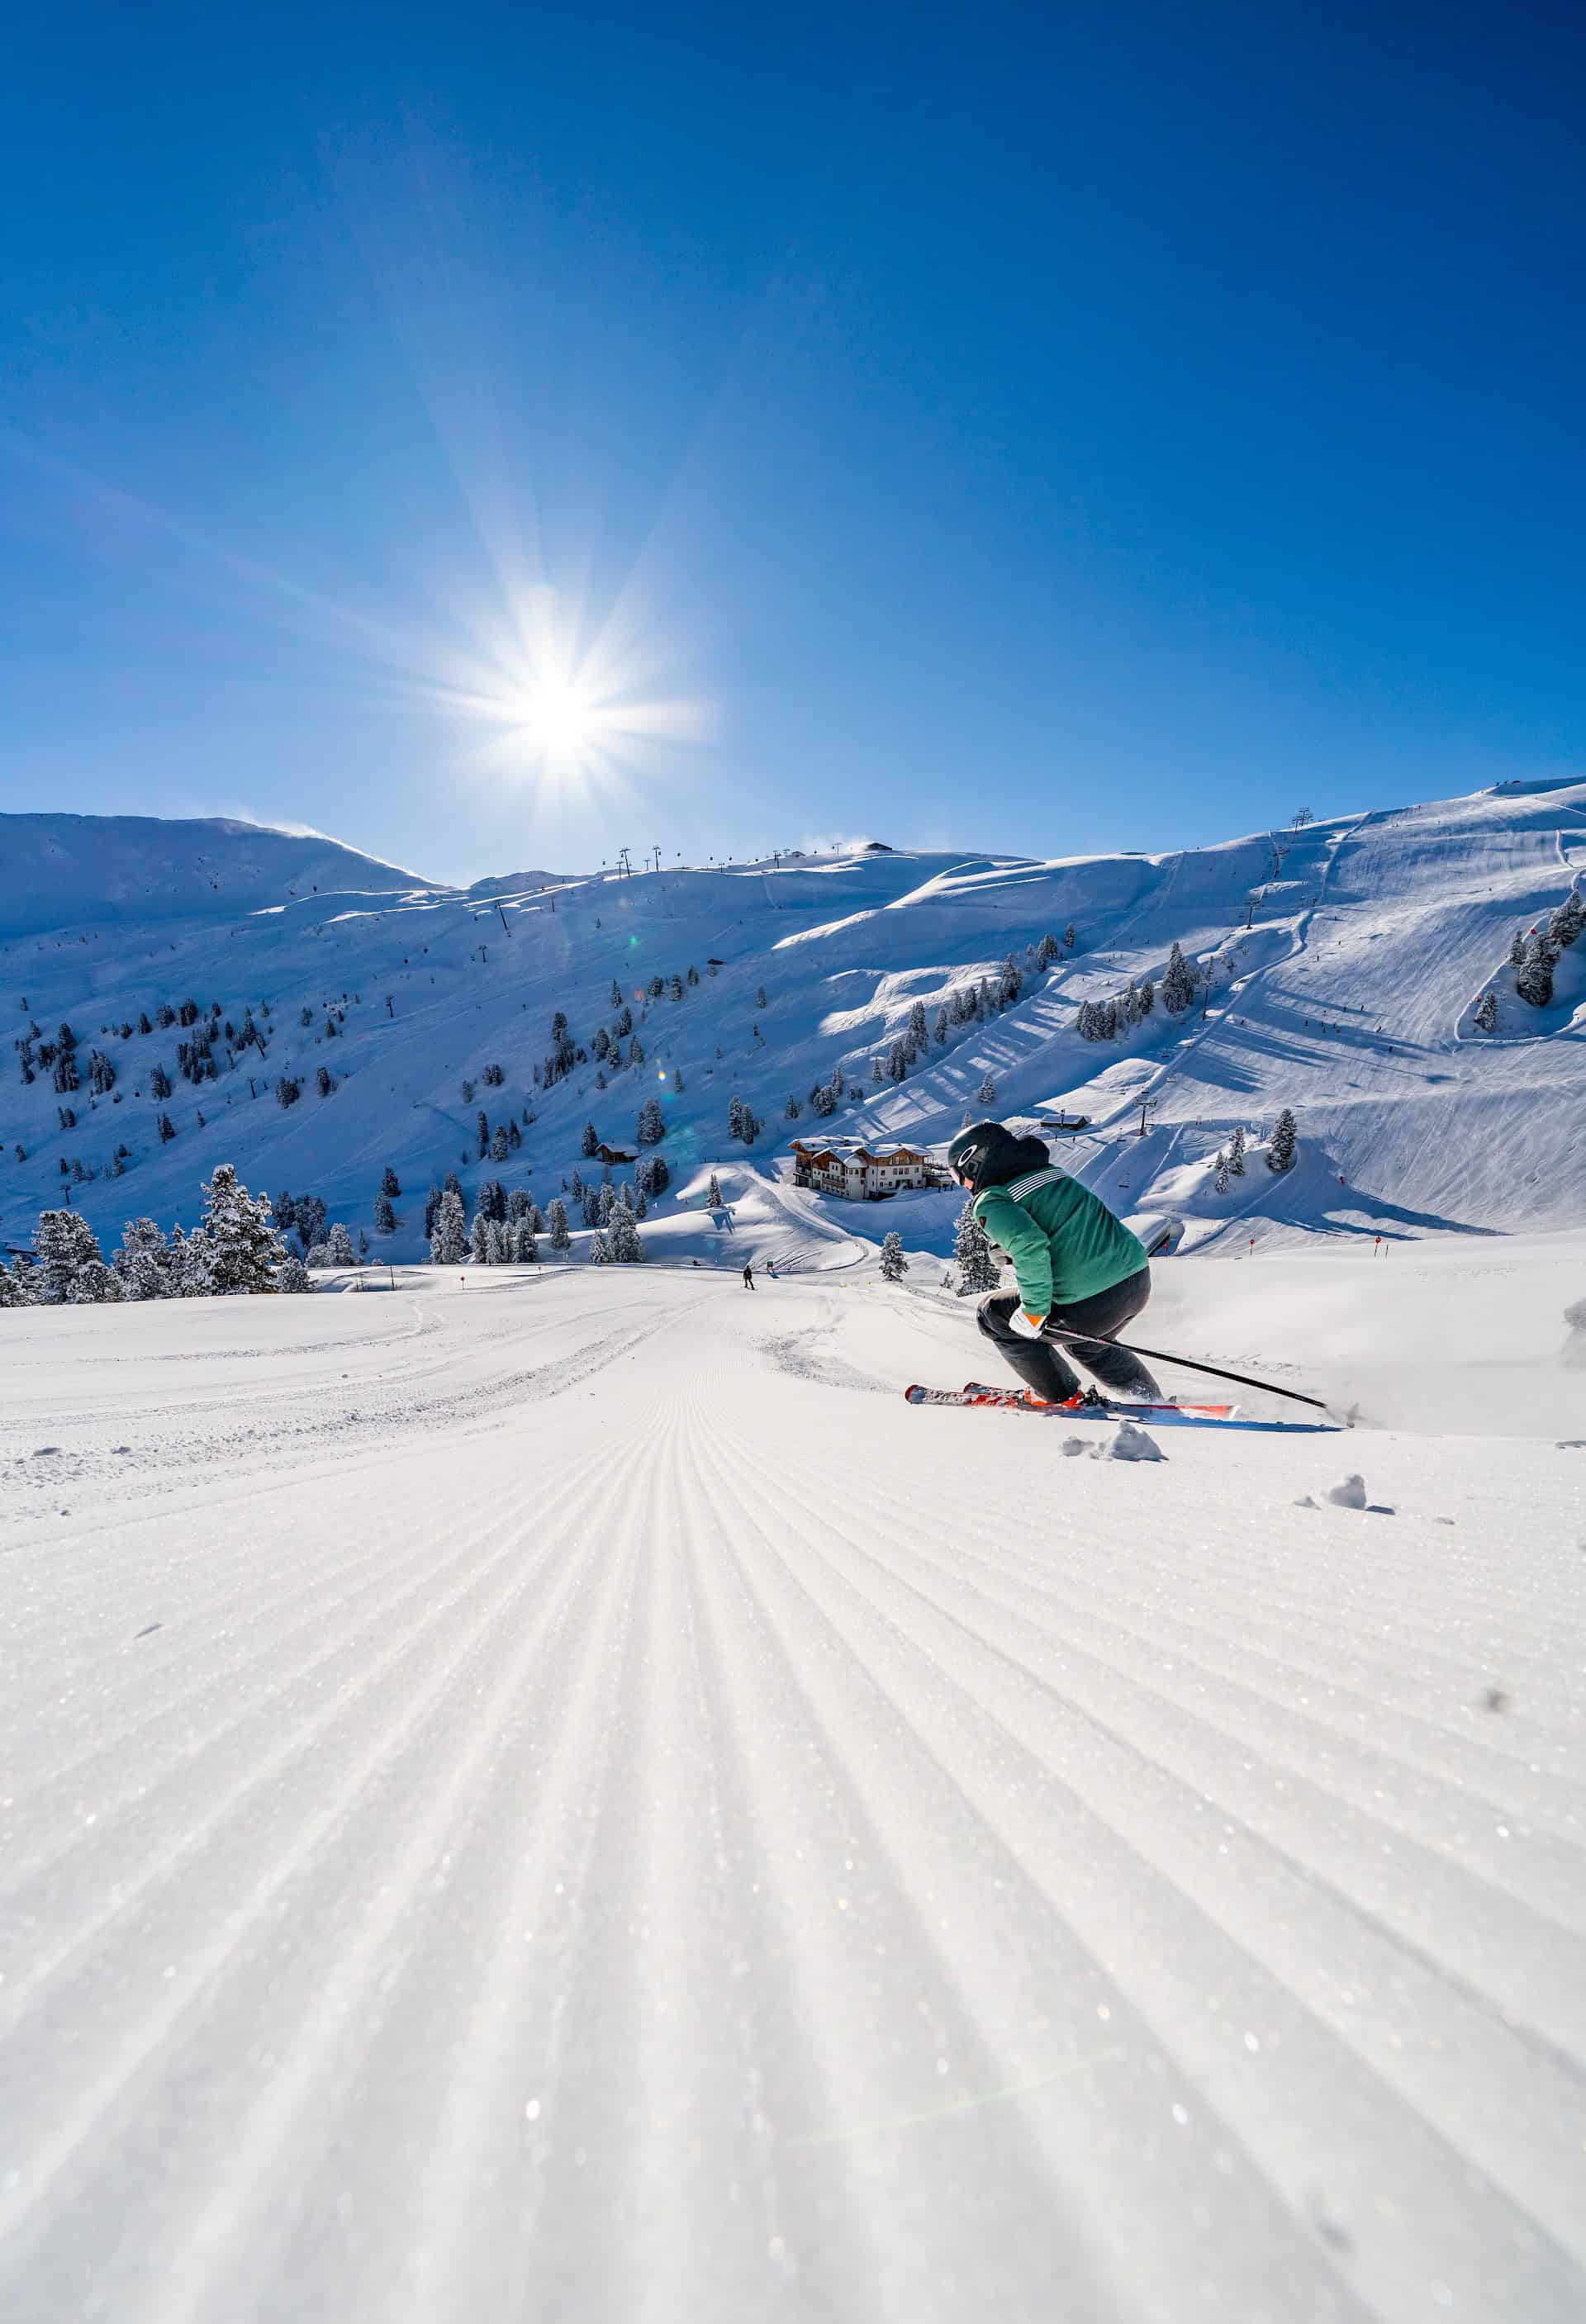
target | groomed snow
[{"x": 554, "y": 1793}]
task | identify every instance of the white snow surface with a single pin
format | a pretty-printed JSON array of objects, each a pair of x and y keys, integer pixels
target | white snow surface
[{"x": 554, "y": 1792}]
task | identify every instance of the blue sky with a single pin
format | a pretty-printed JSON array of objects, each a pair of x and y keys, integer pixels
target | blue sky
[{"x": 1025, "y": 427}]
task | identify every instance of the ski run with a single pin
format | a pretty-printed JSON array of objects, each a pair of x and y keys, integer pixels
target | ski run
[
  {"x": 541, "y": 1789},
  {"x": 554, "y": 1792}
]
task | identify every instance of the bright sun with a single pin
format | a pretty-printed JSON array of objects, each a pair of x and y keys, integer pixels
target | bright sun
[{"x": 561, "y": 717}]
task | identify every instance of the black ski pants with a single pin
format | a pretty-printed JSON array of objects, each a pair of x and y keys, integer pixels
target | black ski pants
[{"x": 1040, "y": 1363}]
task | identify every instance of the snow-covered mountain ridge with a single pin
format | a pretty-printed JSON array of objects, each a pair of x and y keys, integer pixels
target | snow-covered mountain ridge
[{"x": 1339, "y": 971}]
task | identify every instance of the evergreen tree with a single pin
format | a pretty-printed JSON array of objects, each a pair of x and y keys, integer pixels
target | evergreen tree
[
  {"x": 1565, "y": 927},
  {"x": 241, "y": 1247},
  {"x": 1486, "y": 1013},
  {"x": 449, "y": 1241},
  {"x": 339, "y": 1246},
  {"x": 287, "y": 1091},
  {"x": 1147, "y": 997},
  {"x": 495, "y": 1244},
  {"x": 1047, "y": 952},
  {"x": 167, "y": 1128},
  {"x": 627, "y": 1247},
  {"x": 479, "y": 1238},
  {"x": 556, "y": 1220},
  {"x": 1518, "y": 948},
  {"x": 588, "y": 1140},
  {"x": 1220, "y": 1178},
  {"x": 939, "y": 1030},
  {"x": 94, "y": 1284},
  {"x": 793, "y": 1109},
  {"x": 1236, "y": 1152},
  {"x": 651, "y": 1127},
  {"x": 987, "y": 1092},
  {"x": 972, "y": 1247},
  {"x": 1282, "y": 1150},
  {"x": 384, "y": 1216},
  {"x": 524, "y": 1251},
  {"x": 1069, "y": 938},
  {"x": 1533, "y": 981},
  {"x": 323, "y": 1082},
  {"x": 143, "y": 1261},
  {"x": 62, "y": 1243},
  {"x": 388, "y": 1181},
  {"x": 600, "y": 1250},
  {"x": 713, "y": 1195},
  {"x": 894, "y": 1266},
  {"x": 499, "y": 1147},
  {"x": 616, "y": 994},
  {"x": 481, "y": 1136},
  {"x": 292, "y": 1275},
  {"x": 1178, "y": 983}
]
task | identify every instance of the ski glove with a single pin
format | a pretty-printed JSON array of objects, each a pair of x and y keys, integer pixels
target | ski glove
[{"x": 1032, "y": 1323}]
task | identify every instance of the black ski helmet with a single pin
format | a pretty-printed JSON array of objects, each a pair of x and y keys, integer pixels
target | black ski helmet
[{"x": 967, "y": 1154}]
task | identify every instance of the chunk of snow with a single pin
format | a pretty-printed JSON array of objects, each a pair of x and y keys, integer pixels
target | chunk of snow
[
  {"x": 1348, "y": 1495},
  {"x": 1129, "y": 1442}
]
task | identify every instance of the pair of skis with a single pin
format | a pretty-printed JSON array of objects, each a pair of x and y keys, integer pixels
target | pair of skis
[{"x": 1152, "y": 1416}]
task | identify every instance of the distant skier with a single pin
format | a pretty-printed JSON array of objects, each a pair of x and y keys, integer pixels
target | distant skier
[
  {"x": 770, "y": 1268},
  {"x": 1078, "y": 1267},
  {"x": 749, "y": 1275}
]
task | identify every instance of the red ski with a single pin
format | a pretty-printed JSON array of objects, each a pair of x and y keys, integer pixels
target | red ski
[{"x": 1153, "y": 1415}]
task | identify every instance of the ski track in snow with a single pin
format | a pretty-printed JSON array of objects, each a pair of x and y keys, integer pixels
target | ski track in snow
[{"x": 636, "y": 1830}]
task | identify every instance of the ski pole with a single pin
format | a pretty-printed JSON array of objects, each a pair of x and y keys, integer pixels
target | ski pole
[{"x": 1189, "y": 1365}]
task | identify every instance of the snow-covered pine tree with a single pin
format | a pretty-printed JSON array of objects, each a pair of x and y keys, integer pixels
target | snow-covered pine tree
[
  {"x": 495, "y": 1244},
  {"x": 287, "y": 1091},
  {"x": 972, "y": 1247},
  {"x": 1565, "y": 927},
  {"x": 735, "y": 1117},
  {"x": 1046, "y": 951},
  {"x": 95, "y": 1285},
  {"x": 323, "y": 1082},
  {"x": 1518, "y": 948},
  {"x": 339, "y": 1246},
  {"x": 242, "y": 1247},
  {"x": 384, "y": 1216},
  {"x": 556, "y": 1220},
  {"x": 588, "y": 1140},
  {"x": 479, "y": 1238},
  {"x": 1534, "y": 981},
  {"x": 389, "y": 1184},
  {"x": 62, "y": 1243},
  {"x": 987, "y": 1092},
  {"x": 521, "y": 1248},
  {"x": 449, "y": 1241},
  {"x": 1146, "y": 998},
  {"x": 1220, "y": 1177},
  {"x": 713, "y": 1193},
  {"x": 292, "y": 1276},
  {"x": 600, "y": 1250},
  {"x": 1484, "y": 1016},
  {"x": 1178, "y": 983},
  {"x": 1283, "y": 1147},
  {"x": 626, "y": 1243},
  {"x": 636, "y": 1051},
  {"x": 651, "y": 1127},
  {"x": 189, "y": 1263},
  {"x": 894, "y": 1266},
  {"x": 143, "y": 1261},
  {"x": 1236, "y": 1152}
]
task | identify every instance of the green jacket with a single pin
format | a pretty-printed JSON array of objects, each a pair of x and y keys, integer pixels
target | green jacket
[{"x": 1065, "y": 1243}]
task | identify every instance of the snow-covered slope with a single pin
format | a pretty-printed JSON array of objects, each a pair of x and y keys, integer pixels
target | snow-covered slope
[
  {"x": 1339, "y": 982},
  {"x": 78, "y": 870},
  {"x": 557, "y": 1795}
]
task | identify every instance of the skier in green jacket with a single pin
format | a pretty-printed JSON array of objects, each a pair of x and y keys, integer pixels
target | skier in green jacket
[{"x": 1078, "y": 1269}]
